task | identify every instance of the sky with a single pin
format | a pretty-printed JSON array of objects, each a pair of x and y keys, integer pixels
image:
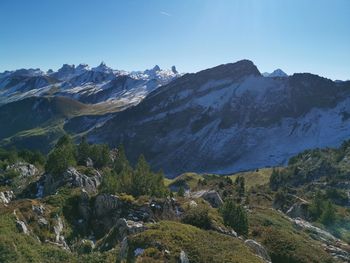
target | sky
[{"x": 294, "y": 35}]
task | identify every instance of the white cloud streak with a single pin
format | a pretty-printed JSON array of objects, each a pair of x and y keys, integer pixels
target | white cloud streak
[{"x": 165, "y": 13}]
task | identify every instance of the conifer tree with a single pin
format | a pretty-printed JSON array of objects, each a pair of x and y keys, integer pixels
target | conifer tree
[{"x": 235, "y": 216}]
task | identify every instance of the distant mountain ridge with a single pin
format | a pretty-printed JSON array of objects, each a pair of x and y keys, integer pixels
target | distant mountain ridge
[
  {"x": 100, "y": 84},
  {"x": 275, "y": 73}
]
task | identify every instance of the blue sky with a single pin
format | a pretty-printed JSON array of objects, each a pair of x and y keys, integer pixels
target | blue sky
[{"x": 294, "y": 35}]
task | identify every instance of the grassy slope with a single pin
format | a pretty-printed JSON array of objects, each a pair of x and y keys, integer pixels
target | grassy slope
[
  {"x": 200, "y": 245},
  {"x": 254, "y": 178},
  {"x": 37, "y": 122},
  {"x": 284, "y": 242}
]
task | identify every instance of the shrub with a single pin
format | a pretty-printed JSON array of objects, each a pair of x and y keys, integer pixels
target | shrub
[{"x": 198, "y": 216}]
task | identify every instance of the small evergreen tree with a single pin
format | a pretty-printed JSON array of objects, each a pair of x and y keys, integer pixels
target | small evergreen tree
[
  {"x": 235, "y": 216},
  {"x": 275, "y": 179},
  {"x": 240, "y": 185},
  {"x": 99, "y": 154},
  {"x": 328, "y": 215},
  {"x": 83, "y": 151},
  {"x": 181, "y": 191},
  {"x": 109, "y": 182},
  {"x": 317, "y": 206},
  {"x": 62, "y": 156}
]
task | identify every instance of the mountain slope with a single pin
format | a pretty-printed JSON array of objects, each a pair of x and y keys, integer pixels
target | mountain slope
[{"x": 231, "y": 118}]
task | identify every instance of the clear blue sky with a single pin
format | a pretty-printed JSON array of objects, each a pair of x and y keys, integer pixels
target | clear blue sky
[{"x": 294, "y": 35}]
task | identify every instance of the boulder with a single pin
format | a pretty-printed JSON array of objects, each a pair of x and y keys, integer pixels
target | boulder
[
  {"x": 212, "y": 197},
  {"x": 22, "y": 227},
  {"x": 166, "y": 208},
  {"x": 38, "y": 209},
  {"x": 24, "y": 169},
  {"x": 258, "y": 249},
  {"x": 42, "y": 222},
  {"x": 6, "y": 197},
  {"x": 89, "y": 162}
]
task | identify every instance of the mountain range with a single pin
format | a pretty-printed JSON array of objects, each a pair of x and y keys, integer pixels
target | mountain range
[
  {"x": 99, "y": 84},
  {"x": 230, "y": 117}
]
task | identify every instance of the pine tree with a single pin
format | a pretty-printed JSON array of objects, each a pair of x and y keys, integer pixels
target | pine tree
[
  {"x": 235, "y": 216},
  {"x": 62, "y": 156},
  {"x": 240, "y": 185},
  {"x": 83, "y": 151},
  {"x": 109, "y": 182},
  {"x": 328, "y": 215},
  {"x": 317, "y": 206}
]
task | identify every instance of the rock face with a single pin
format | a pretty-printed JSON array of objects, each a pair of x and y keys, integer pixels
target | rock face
[
  {"x": 299, "y": 209},
  {"x": 59, "y": 238},
  {"x": 6, "y": 197},
  {"x": 258, "y": 249},
  {"x": 107, "y": 210},
  {"x": 24, "y": 169},
  {"x": 106, "y": 203},
  {"x": 22, "y": 227},
  {"x": 119, "y": 232},
  {"x": 212, "y": 197},
  {"x": 72, "y": 178},
  {"x": 231, "y": 118}
]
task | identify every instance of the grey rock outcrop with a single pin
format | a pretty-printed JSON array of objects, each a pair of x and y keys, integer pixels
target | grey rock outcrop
[
  {"x": 119, "y": 232},
  {"x": 334, "y": 246},
  {"x": 6, "y": 197},
  {"x": 24, "y": 169},
  {"x": 258, "y": 249},
  {"x": 212, "y": 197},
  {"x": 38, "y": 209},
  {"x": 72, "y": 178},
  {"x": 22, "y": 227},
  {"x": 59, "y": 238},
  {"x": 105, "y": 203}
]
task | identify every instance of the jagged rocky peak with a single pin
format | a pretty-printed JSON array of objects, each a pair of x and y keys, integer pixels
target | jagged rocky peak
[
  {"x": 156, "y": 68},
  {"x": 174, "y": 70},
  {"x": 82, "y": 66},
  {"x": 67, "y": 67},
  {"x": 103, "y": 68},
  {"x": 152, "y": 71},
  {"x": 27, "y": 72}
]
